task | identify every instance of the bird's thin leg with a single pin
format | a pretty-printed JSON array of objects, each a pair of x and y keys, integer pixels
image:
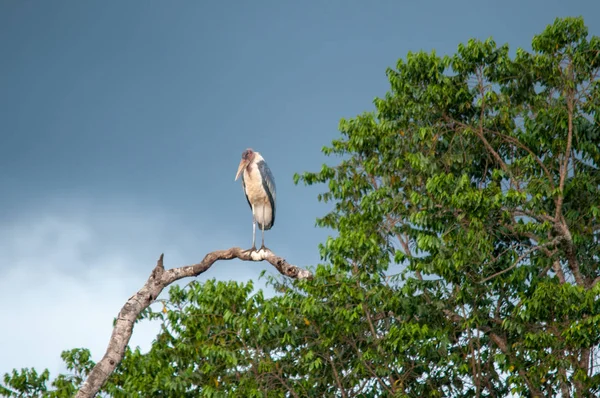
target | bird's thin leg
[
  {"x": 263, "y": 230},
  {"x": 253, "y": 234}
]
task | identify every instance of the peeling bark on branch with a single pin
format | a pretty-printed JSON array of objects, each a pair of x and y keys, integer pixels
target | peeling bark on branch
[{"x": 158, "y": 280}]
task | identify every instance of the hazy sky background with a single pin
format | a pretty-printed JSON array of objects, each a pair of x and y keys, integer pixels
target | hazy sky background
[{"x": 122, "y": 124}]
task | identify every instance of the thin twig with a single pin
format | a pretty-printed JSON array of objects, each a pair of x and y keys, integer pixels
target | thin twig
[{"x": 521, "y": 257}]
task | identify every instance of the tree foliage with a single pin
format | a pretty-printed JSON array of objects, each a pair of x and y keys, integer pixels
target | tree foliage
[{"x": 465, "y": 261}]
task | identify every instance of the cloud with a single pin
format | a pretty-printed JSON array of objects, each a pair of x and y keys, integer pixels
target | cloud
[
  {"x": 52, "y": 310},
  {"x": 67, "y": 269}
]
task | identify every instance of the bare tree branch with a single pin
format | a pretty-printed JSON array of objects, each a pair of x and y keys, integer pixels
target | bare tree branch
[
  {"x": 570, "y": 250},
  {"x": 158, "y": 280},
  {"x": 565, "y": 164}
]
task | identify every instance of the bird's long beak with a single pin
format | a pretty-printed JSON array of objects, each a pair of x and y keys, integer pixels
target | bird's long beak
[{"x": 241, "y": 168}]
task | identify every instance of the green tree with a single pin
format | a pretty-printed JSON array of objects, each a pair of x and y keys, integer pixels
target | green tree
[
  {"x": 465, "y": 261},
  {"x": 479, "y": 173}
]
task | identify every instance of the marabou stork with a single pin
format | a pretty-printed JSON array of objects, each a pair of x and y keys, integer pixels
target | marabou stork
[{"x": 259, "y": 187}]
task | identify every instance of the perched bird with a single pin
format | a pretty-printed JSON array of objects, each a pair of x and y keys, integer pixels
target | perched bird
[{"x": 259, "y": 187}]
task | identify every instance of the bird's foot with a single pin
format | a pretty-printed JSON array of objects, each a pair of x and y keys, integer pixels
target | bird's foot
[
  {"x": 252, "y": 249},
  {"x": 263, "y": 247}
]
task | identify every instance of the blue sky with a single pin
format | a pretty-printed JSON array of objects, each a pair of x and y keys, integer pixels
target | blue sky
[{"x": 122, "y": 125}]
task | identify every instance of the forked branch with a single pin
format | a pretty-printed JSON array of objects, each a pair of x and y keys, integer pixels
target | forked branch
[{"x": 158, "y": 280}]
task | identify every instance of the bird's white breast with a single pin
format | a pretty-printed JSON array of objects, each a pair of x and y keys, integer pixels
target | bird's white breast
[{"x": 254, "y": 186}]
